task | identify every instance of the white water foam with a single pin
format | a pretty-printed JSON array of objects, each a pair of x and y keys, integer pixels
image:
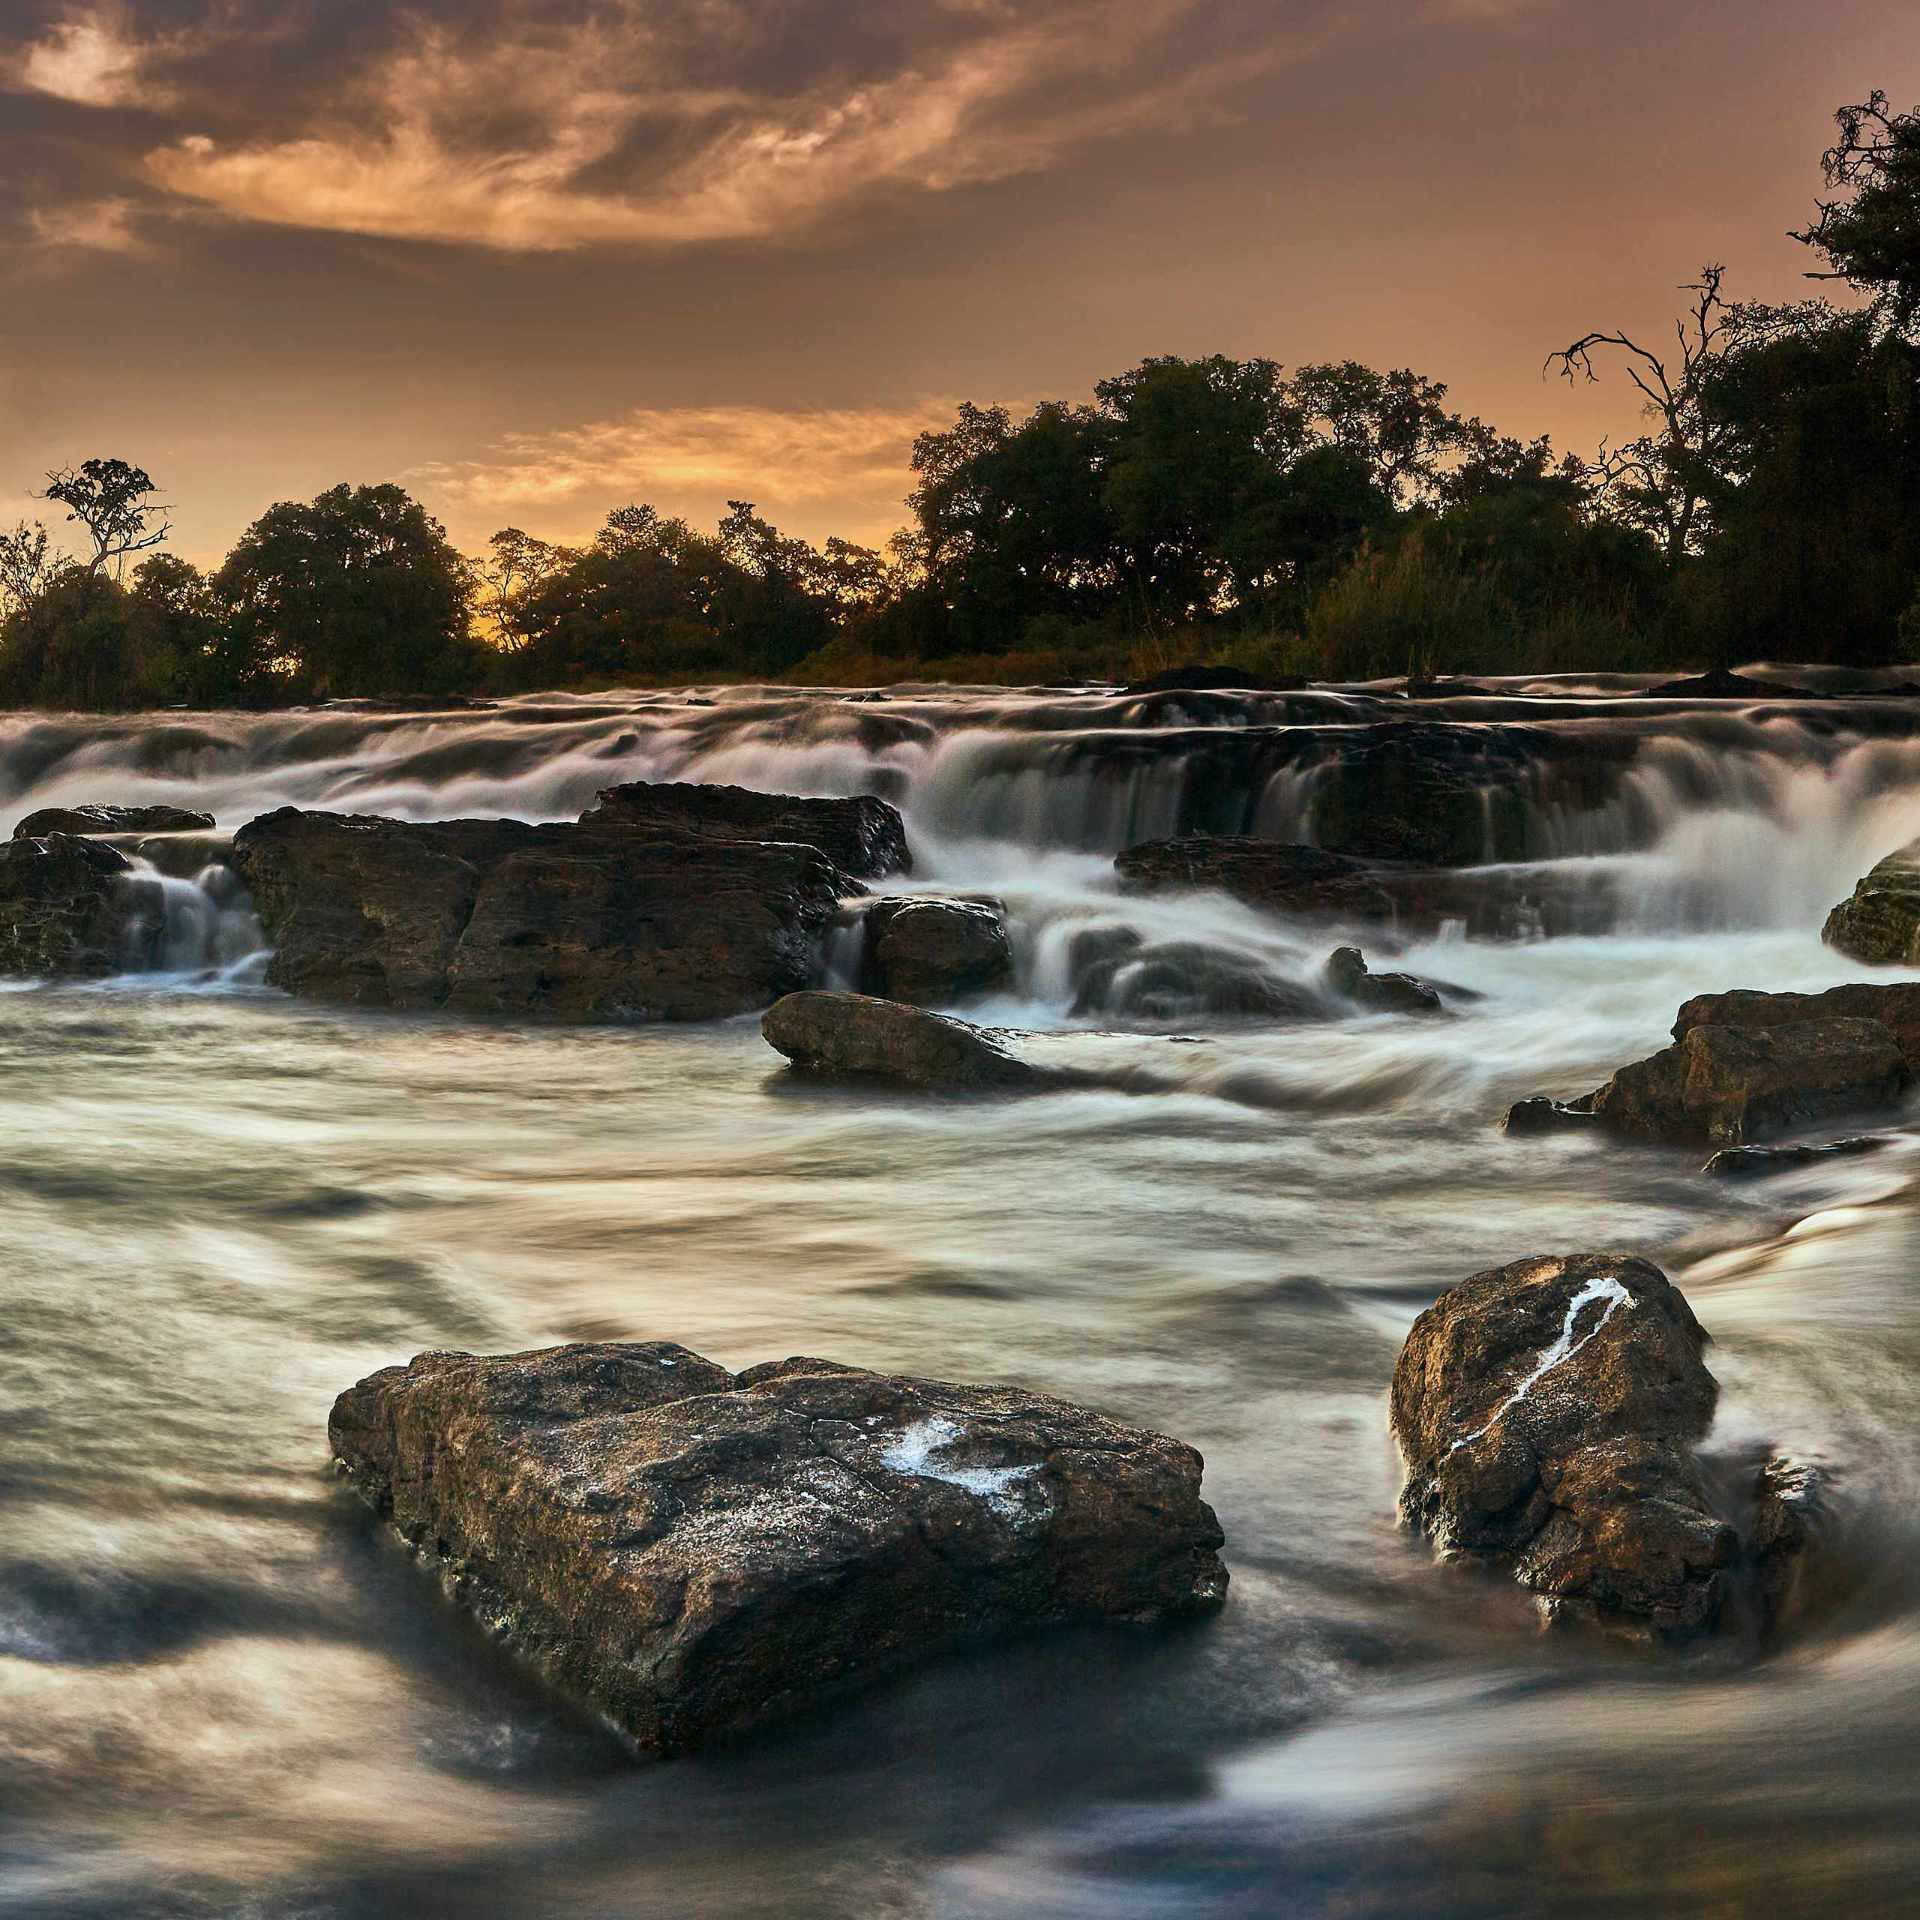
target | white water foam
[{"x": 915, "y": 1450}]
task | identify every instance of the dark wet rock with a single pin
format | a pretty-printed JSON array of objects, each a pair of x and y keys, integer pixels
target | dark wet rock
[
  {"x": 693, "y": 1553},
  {"x": 115, "y": 820},
  {"x": 1792, "y": 1511},
  {"x": 1424, "y": 792},
  {"x": 1879, "y": 923},
  {"x": 1727, "y": 1085},
  {"x": 855, "y": 1036},
  {"x": 1349, "y": 976},
  {"x": 1263, "y": 873},
  {"x": 862, "y": 836},
  {"x": 1187, "y": 980},
  {"x": 1541, "y": 1115},
  {"x": 1197, "y": 679},
  {"x": 1546, "y": 1413},
  {"x": 567, "y": 923},
  {"x": 932, "y": 950},
  {"x": 1722, "y": 684},
  {"x": 1444, "y": 690},
  {"x": 1757, "y": 1163},
  {"x": 74, "y": 908}
]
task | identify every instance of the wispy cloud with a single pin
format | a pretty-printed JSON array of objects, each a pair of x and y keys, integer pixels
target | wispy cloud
[
  {"x": 89, "y": 226},
  {"x": 545, "y": 138},
  {"x": 671, "y": 453},
  {"x": 91, "y": 58}
]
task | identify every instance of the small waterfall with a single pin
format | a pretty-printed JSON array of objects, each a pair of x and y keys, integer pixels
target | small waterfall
[{"x": 199, "y": 929}]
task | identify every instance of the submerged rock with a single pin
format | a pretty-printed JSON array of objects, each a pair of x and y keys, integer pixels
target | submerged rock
[
  {"x": 89, "y": 821},
  {"x": 570, "y": 923},
  {"x": 856, "y": 1036},
  {"x": 1348, "y": 975},
  {"x": 1723, "y": 684},
  {"x": 1879, "y": 923},
  {"x": 1546, "y": 1413},
  {"x": 862, "y": 836},
  {"x": 931, "y": 950},
  {"x": 1542, "y": 1115},
  {"x": 1229, "y": 679},
  {"x": 1757, "y": 1163},
  {"x": 74, "y": 908},
  {"x": 693, "y": 1553},
  {"x": 1263, "y": 873},
  {"x": 1122, "y": 976}
]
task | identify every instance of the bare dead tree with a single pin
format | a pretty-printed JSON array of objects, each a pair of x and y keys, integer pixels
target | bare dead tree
[
  {"x": 114, "y": 502},
  {"x": 1659, "y": 479}
]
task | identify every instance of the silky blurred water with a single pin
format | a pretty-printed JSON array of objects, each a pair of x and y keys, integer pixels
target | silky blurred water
[{"x": 223, "y": 1691}]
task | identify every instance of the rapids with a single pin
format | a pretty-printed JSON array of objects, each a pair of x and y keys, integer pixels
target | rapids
[{"x": 224, "y": 1692}]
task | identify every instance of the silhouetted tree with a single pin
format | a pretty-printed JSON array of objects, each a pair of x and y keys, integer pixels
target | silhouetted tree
[
  {"x": 1871, "y": 234},
  {"x": 114, "y": 503}
]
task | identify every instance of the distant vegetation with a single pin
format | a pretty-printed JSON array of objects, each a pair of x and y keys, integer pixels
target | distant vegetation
[{"x": 1335, "y": 522}]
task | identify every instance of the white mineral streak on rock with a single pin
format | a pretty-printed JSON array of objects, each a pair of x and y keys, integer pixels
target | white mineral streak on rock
[
  {"x": 914, "y": 1449},
  {"x": 1564, "y": 1348}
]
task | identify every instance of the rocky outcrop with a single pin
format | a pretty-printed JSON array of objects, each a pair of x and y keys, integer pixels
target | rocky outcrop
[
  {"x": 74, "y": 908},
  {"x": 864, "y": 837},
  {"x": 931, "y": 951},
  {"x": 1747, "y": 1067},
  {"x": 1725, "y": 1086},
  {"x": 693, "y": 1553},
  {"x": 1348, "y": 975},
  {"x": 855, "y": 1036},
  {"x": 1723, "y": 684},
  {"x": 1119, "y": 975},
  {"x": 115, "y": 820},
  {"x": 1896, "y": 1006},
  {"x": 1879, "y": 923},
  {"x": 568, "y": 923},
  {"x": 1546, "y": 1413}
]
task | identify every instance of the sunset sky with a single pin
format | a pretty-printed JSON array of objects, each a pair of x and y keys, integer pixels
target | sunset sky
[{"x": 534, "y": 258}]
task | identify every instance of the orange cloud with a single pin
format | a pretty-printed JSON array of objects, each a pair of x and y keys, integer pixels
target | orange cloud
[
  {"x": 758, "y": 453},
  {"x": 399, "y": 159},
  {"x": 91, "y": 59}
]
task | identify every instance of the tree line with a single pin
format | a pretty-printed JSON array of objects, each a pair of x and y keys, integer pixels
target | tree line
[{"x": 1333, "y": 520}]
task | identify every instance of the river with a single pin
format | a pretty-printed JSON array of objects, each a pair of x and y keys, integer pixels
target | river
[{"x": 223, "y": 1691}]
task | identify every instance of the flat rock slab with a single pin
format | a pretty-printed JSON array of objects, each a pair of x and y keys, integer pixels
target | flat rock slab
[
  {"x": 565, "y": 923},
  {"x": 693, "y": 1552},
  {"x": 862, "y": 836},
  {"x": 855, "y": 1036}
]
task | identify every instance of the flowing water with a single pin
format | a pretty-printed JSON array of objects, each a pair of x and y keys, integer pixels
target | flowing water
[{"x": 223, "y": 1691}]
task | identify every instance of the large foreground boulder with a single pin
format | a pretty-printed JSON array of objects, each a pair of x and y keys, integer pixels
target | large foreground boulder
[
  {"x": 571, "y": 923},
  {"x": 111, "y": 820},
  {"x": 1879, "y": 923},
  {"x": 1546, "y": 1413},
  {"x": 692, "y": 1552},
  {"x": 74, "y": 908},
  {"x": 932, "y": 950},
  {"x": 863, "y": 836},
  {"x": 856, "y": 1036}
]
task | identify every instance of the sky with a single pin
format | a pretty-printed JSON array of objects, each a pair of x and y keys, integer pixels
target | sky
[{"x": 536, "y": 258}]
